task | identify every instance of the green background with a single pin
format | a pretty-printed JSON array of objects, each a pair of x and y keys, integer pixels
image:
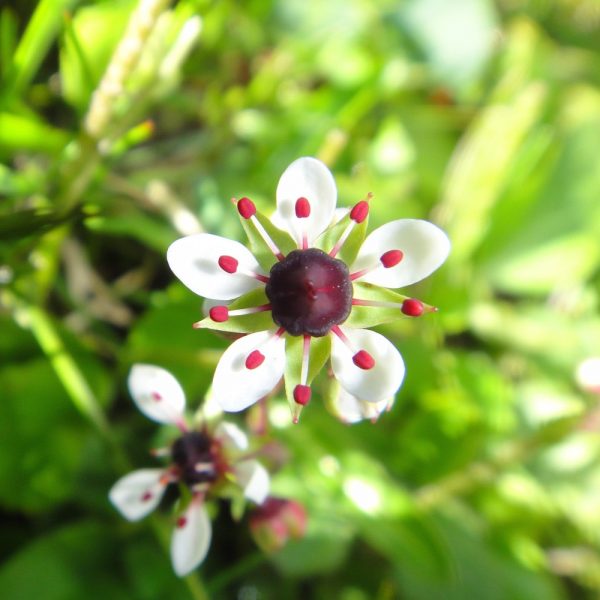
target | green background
[{"x": 484, "y": 479}]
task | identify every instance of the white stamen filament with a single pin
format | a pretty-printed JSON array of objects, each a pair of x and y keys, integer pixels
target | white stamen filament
[
  {"x": 376, "y": 303},
  {"x": 267, "y": 238},
  {"x": 342, "y": 239},
  {"x": 252, "y": 274},
  {"x": 305, "y": 359},
  {"x": 239, "y": 312}
]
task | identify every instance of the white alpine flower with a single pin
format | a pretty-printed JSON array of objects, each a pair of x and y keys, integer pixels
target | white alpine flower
[
  {"x": 200, "y": 460},
  {"x": 308, "y": 291}
]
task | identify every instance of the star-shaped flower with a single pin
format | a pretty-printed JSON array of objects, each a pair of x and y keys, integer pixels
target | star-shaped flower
[
  {"x": 308, "y": 291},
  {"x": 202, "y": 462}
]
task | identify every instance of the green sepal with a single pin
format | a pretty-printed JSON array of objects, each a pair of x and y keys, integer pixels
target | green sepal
[
  {"x": 349, "y": 251},
  {"x": 320, "y": 350},
  {"x": 369, "y": 316},
  {"x": 261, "y": 251},
  {"x": 251, "y": 323}
]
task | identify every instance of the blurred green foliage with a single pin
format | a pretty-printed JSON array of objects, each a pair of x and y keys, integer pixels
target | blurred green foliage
[{"x": 482, "y": 482}]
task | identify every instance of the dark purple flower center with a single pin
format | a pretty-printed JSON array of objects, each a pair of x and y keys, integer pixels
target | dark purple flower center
[
  {"x": 194, "y": 454},
  {"x": 310, "y": 292}
]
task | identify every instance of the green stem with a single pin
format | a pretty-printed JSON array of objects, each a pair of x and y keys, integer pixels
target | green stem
[{"x": 65, "y": 367}]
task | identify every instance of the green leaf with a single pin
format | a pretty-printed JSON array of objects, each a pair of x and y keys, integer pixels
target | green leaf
[
  {"x": 41, "y": 438},
  {"x": 320, "y": 350},
  {"x": 36, "y": 41},
  {"x": 261, "y": 251},
  {"x": 148, "y": 230},
  {"x": 19, "y": 132},
  {"x": 8, "y": 40},
  {"x": 91, "y": 38},
  {"x": 369, "y": 316},
  {"x": 260, "y": 321},
  {"x": 29, "y": 222},
  {"x": 349, "y": 250}
]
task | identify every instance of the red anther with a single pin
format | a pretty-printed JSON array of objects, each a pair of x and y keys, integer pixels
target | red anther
[
  {"x": 302, "y": 394},
  {"x": 246, "y": 208},
  {"x": 181, "y": 522},
  {"x": 413, "y": 307},
  {"x": 254, "y": 359},
  {"x": 156, "y": 396},
  {"x": 146, "y": 496},
  {"x": 363, "y": 360},
  {"x": 360, "y": 211},
  {"x": 302, "y": 208},
  {"x": 228, "y": 263},
  {"x": 391, "y": 258},
  {"x": 219, "y": 314}
]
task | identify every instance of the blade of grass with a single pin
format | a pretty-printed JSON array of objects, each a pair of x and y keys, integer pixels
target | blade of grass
[
  {"x": 42, "y": 29},
  {"x": 8, "y": 40}
]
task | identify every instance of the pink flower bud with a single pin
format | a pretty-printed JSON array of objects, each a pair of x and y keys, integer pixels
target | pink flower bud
[{"x": 276, "y": 521}]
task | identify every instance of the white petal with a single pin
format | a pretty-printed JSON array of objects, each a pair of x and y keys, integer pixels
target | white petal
[
  {"x": 138, "y": 493},
  {"x": 194, "y": 260},
  {"x": 352, "y": 410},
  {"x": 254, "y": 479},
  {"x": 373, "y": 385},
  {"x": 588, "y": 374},
  {"x": 231, "y": 435},
  {"x": 191, "y": 538},
  {"x": 424, "y": 245},
  {"x": 306, "y": 178},
  {"x": 156, "y": 393},
  {"x": 236, "y": 387}
]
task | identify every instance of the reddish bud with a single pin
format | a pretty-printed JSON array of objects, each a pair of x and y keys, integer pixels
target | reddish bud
[
  {"x": 302, "y": 208},
  {"x": 228, "y": 263},
  {"x": 391, "y": 258},
  {"x": 254, "y": 359},
  {"x": 412, "y": 307},
  {"x": 360, "y": 211},
  {"x": 302, "y": 394},
  {"x": 276, "y": 521},
  {"x": 246, "y": 208},
  {"x": 219, "y": 314},
  {"x": 363, "y": 360}
]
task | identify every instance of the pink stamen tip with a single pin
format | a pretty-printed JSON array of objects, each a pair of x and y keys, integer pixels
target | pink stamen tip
[
  {"x": 391, "y": 258},
  {"x": 181, "y": 522},
  {"x": 302, "y": 394},
  {"x": 360, "y": 211},
  {"x": 254, "y": 359},
  {"x": 302, "y": 208},
  {"x": 228, "y": 263},
  {"x": 146, "y": 496},
  {"x": 413, "y": 307},
  {"x": 156, "y": 396},
  {"x": 363, "y": 360},
  {"x": 246, "y": 208},
  {"x": 219, "y": 314}
]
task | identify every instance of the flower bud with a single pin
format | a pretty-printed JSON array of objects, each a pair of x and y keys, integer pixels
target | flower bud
[{"x": 276, "y": 521}]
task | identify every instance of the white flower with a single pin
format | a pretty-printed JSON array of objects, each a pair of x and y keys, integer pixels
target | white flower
[
  {"x": 200, "y": 459},
  {"x": 308, "y": 291},
  {"x": 350, "y": 409}
]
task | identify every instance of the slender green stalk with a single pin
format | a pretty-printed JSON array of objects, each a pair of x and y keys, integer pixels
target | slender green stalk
[
  {"x": 66, "y": 369},
  {"x": 36, "y": 41}
]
